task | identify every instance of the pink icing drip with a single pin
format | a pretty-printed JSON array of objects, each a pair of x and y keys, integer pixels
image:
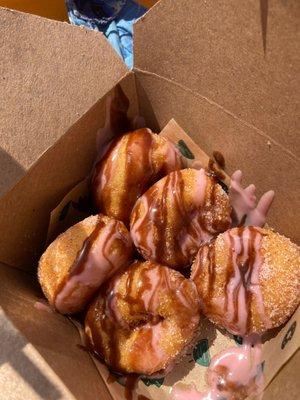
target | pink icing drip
[
  {"x": 186, "y": 241},
  {"x": 135, "y": 229},
  {"x": 200, "y": 187},
  {"x": 233, "y": 373},
  {"x": 242, "y": 364},
  {"x": 243, "y": 202},
  {"x": 171, "y": 155},
  {"x": 157, "y": 351},
  {"x": 97, "y": 268},
  {"x": 151, "y": 301}
]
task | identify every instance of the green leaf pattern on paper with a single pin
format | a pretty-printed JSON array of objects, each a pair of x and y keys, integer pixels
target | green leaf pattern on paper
[
  {"x": 289, "y": 335},
  {"x": 184, "y": 150},
  {"x": 201, "y": 353},
  {"x": 238, "y": 340},
  {"x": 157, "y": 382}
]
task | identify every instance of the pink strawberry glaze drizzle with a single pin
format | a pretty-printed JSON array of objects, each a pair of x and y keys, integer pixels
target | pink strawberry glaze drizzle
[
  {"x": 243, "y": 202},
  {"x": 233, "y": 374}
]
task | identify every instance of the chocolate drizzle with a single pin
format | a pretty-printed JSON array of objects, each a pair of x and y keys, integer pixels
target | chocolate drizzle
[
  {"x": 214, "y": 171},
  {"x": 218, "y": 156},
  {"x": 82, "y": 257},
  {"x": 212, "y": 263}
]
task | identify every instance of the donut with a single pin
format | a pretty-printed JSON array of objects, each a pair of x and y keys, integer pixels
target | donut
[
  {"x": 178, "y": 213},
  {"x": 248, "y": 279},
  {"x": 143, "y": 319},
  {"x": 81, "y": 259},
  {"x": 132, "y": 164}
]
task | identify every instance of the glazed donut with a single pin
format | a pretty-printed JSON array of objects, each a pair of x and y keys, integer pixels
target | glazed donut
[
  {"x": 81, "y": 259},
  {"x": 132, "y": 164},
  {"x": 182, "y": 210},
  {"x": 143, "y": 319},
  {"x": 248, "y": 279}
]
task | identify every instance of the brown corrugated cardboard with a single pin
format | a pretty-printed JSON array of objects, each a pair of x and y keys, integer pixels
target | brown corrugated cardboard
[
  {"x": 53, "y": 336},
  {"x": 241, "y": 55},
  {"x": 30, "y": 202},
  {"x": 51, "y": 73},
  {"x": 187, "y": 53}
]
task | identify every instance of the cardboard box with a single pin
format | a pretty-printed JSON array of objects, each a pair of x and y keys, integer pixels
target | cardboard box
[{"x": 226, "y": 71}]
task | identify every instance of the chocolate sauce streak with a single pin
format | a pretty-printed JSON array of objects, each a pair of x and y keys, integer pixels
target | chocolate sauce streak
[
  {"x": 214, "y": 171},
  {"x": 81, "y": 258},
  {"x": 131, "y": 381},
  {"x": 218, "y": 156},
  {"x": 212, "y": 263}
]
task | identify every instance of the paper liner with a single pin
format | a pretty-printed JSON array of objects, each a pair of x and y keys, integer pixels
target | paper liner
[
  {"x": 74, "y": 207},
  {"x": 278, "y": 347}
]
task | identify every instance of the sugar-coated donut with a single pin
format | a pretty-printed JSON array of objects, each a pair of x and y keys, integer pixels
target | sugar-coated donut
[
  {"x": 132, "y": 164},
  {"x": 81, "y": 259},
  {"x": 177, "y": 214},
  {"x": 248, "y": 279},
  {"x": 143, "y": 319}
]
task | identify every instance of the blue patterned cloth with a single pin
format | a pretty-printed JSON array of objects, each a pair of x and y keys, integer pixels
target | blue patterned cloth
[{"x": 115, "y": 18}]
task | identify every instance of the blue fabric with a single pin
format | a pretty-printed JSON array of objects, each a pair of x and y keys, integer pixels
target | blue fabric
[{"x": 115, "y": 18}]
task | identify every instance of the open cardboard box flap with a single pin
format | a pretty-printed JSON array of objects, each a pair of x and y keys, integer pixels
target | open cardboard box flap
[
  {"x": 241, "y": 56},
  {"x": 226, "y": 73},
  {"x": 51, "y": 73}
]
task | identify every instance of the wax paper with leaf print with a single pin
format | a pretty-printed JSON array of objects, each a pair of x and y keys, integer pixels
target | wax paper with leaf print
[{"x": 278, "y": 345}]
